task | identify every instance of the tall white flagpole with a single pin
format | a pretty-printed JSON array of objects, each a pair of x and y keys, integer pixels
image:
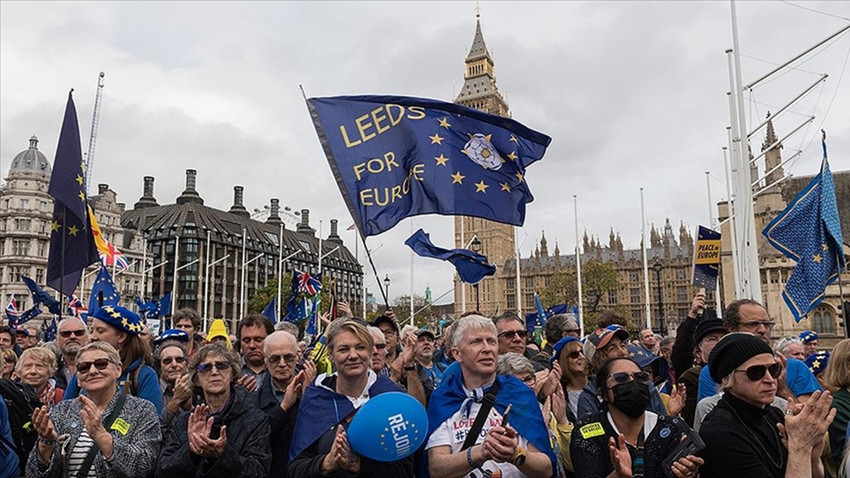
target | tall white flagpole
[
  {"x": 462, "y": 283},
  {"x": 319, "y": 301},
  {"x": 144, "y": 267},
  {"x": 279, "y": 271},
  {"x": 207, "y": 284},
  {"x": 648, "y": 311},
  {"x": 578, "y": 269},
  {"x": 518, "y": 274},
  {"x": 242, "y": 281},
  {"x": 174, "y": 288},
  {"x": 717, "y": 304}
]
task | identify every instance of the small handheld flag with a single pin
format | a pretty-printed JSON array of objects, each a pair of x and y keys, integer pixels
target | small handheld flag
[{"x": 471, "y": 266}]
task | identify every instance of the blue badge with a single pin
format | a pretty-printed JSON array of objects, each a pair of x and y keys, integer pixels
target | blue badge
[
  {"x": 73, "y": 424},
  {"x": 665, "y": 432}
]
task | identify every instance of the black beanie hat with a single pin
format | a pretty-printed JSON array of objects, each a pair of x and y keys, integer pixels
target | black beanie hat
[
  {"x": 707, "y": 326},
  {"x": 732, "y": 350}
]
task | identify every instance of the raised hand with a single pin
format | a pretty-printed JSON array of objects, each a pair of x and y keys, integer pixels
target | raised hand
[
  {"x": 42, "y": 423},
  {"x": 343, "y": 308},
  {"x": 559, "y": 406},
  {"x": 620, "y": 457},
  {"x": 677, "y": 399},
  {"x": 249, "y": 382}
]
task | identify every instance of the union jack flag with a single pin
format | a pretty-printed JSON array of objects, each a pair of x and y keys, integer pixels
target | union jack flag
[
  {"x": 307, "y": 284},
  {"x": 75, "y": 305},
  {"x": 12, "y": 312}
]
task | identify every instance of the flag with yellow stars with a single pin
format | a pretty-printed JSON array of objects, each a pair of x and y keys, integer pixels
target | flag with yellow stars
[
  {"x": 103, "y": 291},
  {"x": 71, "y": 245},
  {"x": 395, "y": 157},
  {"x": 809, "y": 231}
]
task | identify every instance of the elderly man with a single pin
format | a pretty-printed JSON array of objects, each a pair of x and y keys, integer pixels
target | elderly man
[
  {"x": 391, "y": 333},
  {"x": 379, "y": 354},
  {"x": 280, "y": 392},
  {"x": 469, "y": 435},
  {"x": 791, "y": 347},
  {"x": 810, "y": 341},
  {"x": 71, "y": 336},
  {"x": 557, "y": 327},
  {"x": 22, "y": 338},
  {"x": 747, "y": 315},
  {"x": 512, "y": 338}
]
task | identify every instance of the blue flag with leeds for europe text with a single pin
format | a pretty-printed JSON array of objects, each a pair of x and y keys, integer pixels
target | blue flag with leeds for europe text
[
  {"x": 809, "y": 231},
  {"x": 395, "y": 157}
]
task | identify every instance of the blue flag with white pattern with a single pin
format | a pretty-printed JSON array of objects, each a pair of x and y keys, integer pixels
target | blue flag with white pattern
[
  {"x": 809, "y": 231},
  {"x": 103, "y": 285},
  {"x": 394, "y": 157}
]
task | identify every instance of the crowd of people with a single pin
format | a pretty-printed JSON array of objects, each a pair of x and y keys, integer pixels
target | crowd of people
[{"x": 721, "y": 396}]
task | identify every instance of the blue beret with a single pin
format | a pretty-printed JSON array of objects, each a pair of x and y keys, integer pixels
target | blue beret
[
  {"x": 559, "y": 345},
  {"x": 817, "y": 361},
  {"x": 808, "y": 335},
  {"x": 120, "y": 318},
  {"x": 172, "y": 334}
]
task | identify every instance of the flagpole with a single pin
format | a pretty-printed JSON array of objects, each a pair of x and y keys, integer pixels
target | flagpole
[
  {"x": 279, "y": 269},
  {"x": 717, "y": 305},
  {"x": 736, "y": 265},
  {"x": 462, "y": 283},
  {"x": 144, "y": 266},
  {"x": 242, "y": 281},
  {"x": 207, "y": 283},
  {"x": 62, "y": 257},
  {"x": 648, "y": 310},
  {"x": 174, "y": 281},
  {"x": 578, "y": 269}
]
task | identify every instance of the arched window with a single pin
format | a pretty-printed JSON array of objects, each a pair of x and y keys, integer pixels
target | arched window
[{"x": 823, "y": 321}]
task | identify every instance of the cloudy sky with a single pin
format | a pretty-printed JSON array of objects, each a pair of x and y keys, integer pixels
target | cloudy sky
[{"x": 632, "y": 93}]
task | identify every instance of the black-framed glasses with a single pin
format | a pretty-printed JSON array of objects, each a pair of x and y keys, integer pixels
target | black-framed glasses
[
  {"x": 757, "y": 372},
  {"x": 67, "y": 333},
  {"x": 288, "y": 358},
  {"x": 530, "y": 380},
  {"x": 510, "y": 334},
  {"x": 755, "y": 324},
  {"x": 388, "y": 331},
  {"x": 221, "y": 366},
  {"x": 169, "y": 360},
  {"x": 100, "y": 364},
  {"x": 624, "y": 377}
]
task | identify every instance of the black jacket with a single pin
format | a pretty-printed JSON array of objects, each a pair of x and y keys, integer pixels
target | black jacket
[
  {"x": 282, "y": 424},
  {"x": 682, "y": 356},
  {"x": 247, "y": 453}
]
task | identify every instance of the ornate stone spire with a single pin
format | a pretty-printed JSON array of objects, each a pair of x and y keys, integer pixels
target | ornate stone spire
[
  {"x": 773, "y": 156},
  {"x": 479, "y": 87}
]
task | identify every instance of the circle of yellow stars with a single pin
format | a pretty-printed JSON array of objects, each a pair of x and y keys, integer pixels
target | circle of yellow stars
[
  {"x": 127, "y": 323},
  {"x": 457, "y": 177}
]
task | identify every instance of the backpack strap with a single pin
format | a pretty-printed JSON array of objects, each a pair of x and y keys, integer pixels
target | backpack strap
[
  {"x": 87, "y": 463},
  {"x": 133, "y": 382},
  {"x": 483, "y": 413}
]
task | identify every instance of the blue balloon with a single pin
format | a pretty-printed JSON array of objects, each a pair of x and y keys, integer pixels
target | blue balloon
[{"x": 389, "y": 427}]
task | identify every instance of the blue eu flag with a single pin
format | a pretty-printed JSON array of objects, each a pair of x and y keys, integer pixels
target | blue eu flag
[
  {"x": 72, "y": 247},
  {"x": 40, "y": 296},
  {"x": 271, "y": 310},
  {"x": 471, "y": 266},
  {"x": 808, "y": 231},
  {"x": 163, "y": 306},
  {"x": 395, "y": 157},
  {"x": 103, "y": 284}
]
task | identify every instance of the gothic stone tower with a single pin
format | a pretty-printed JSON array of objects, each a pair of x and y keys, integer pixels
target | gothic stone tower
[{"x": 497, "y": 240}]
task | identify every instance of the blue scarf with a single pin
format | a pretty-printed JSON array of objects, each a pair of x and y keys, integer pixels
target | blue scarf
[
  {"x": 525, "y": 415},
  {"x": 322, "y": 409}
]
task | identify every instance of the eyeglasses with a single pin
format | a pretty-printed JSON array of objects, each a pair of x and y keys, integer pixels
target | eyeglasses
[
  {"x": 755, "y": 324},
  {"x": 624, "y": 377},
  {"x": 205, "y": 368},
  {"x": 388, "y": 331},
  {"x": 380, "y": 346},
  {"x": 67, "y": 333},
  {"x": 288, "y": 358},
  {"x": 100, "y": 364},
  {"x": 169, "y": 360},
  {"x": 757, "y": 372},
  {"x": 530, "y": 380},
  {"x": 575, "y": 354},
  {"x": 510, "y": 334}
]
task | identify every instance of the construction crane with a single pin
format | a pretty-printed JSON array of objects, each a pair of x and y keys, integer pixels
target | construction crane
[{"x": 93, "y": 138}]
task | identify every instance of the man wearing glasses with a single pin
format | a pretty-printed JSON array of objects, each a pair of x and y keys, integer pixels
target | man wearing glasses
[
  {"x": 280, "y": 392},
  {"x": 71, "y": 336},
  {"x": 512, "y": 338}
]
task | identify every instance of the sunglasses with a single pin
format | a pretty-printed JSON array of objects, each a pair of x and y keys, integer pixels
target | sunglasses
[
  {"x": 757, "y": 372},
  {"x": 100, "y": 364},
  {"x": 510, "y": 334},
  {"x": 67, "y": 333},
  {"x": 625, "y": 377},
  {"x": 169, "y": 360},
  {"x": 575, "y": 354},
  {"x": 205, "y": 368},
  {"x": 288, "y": 358},
  {"x": 380, "y": 346}
]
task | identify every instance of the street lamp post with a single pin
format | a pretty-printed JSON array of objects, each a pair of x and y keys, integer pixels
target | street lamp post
[
  {"x": 387, "y": 286},
  {"x": 657, "y": 268},
  {"x": 475, "y": 247}
]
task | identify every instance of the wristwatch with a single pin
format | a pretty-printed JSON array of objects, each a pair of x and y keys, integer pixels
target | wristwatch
[{"x": 519, "y": 456}]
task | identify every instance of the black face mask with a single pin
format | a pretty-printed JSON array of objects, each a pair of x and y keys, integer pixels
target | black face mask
[{"x": 631, "y": 398}]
